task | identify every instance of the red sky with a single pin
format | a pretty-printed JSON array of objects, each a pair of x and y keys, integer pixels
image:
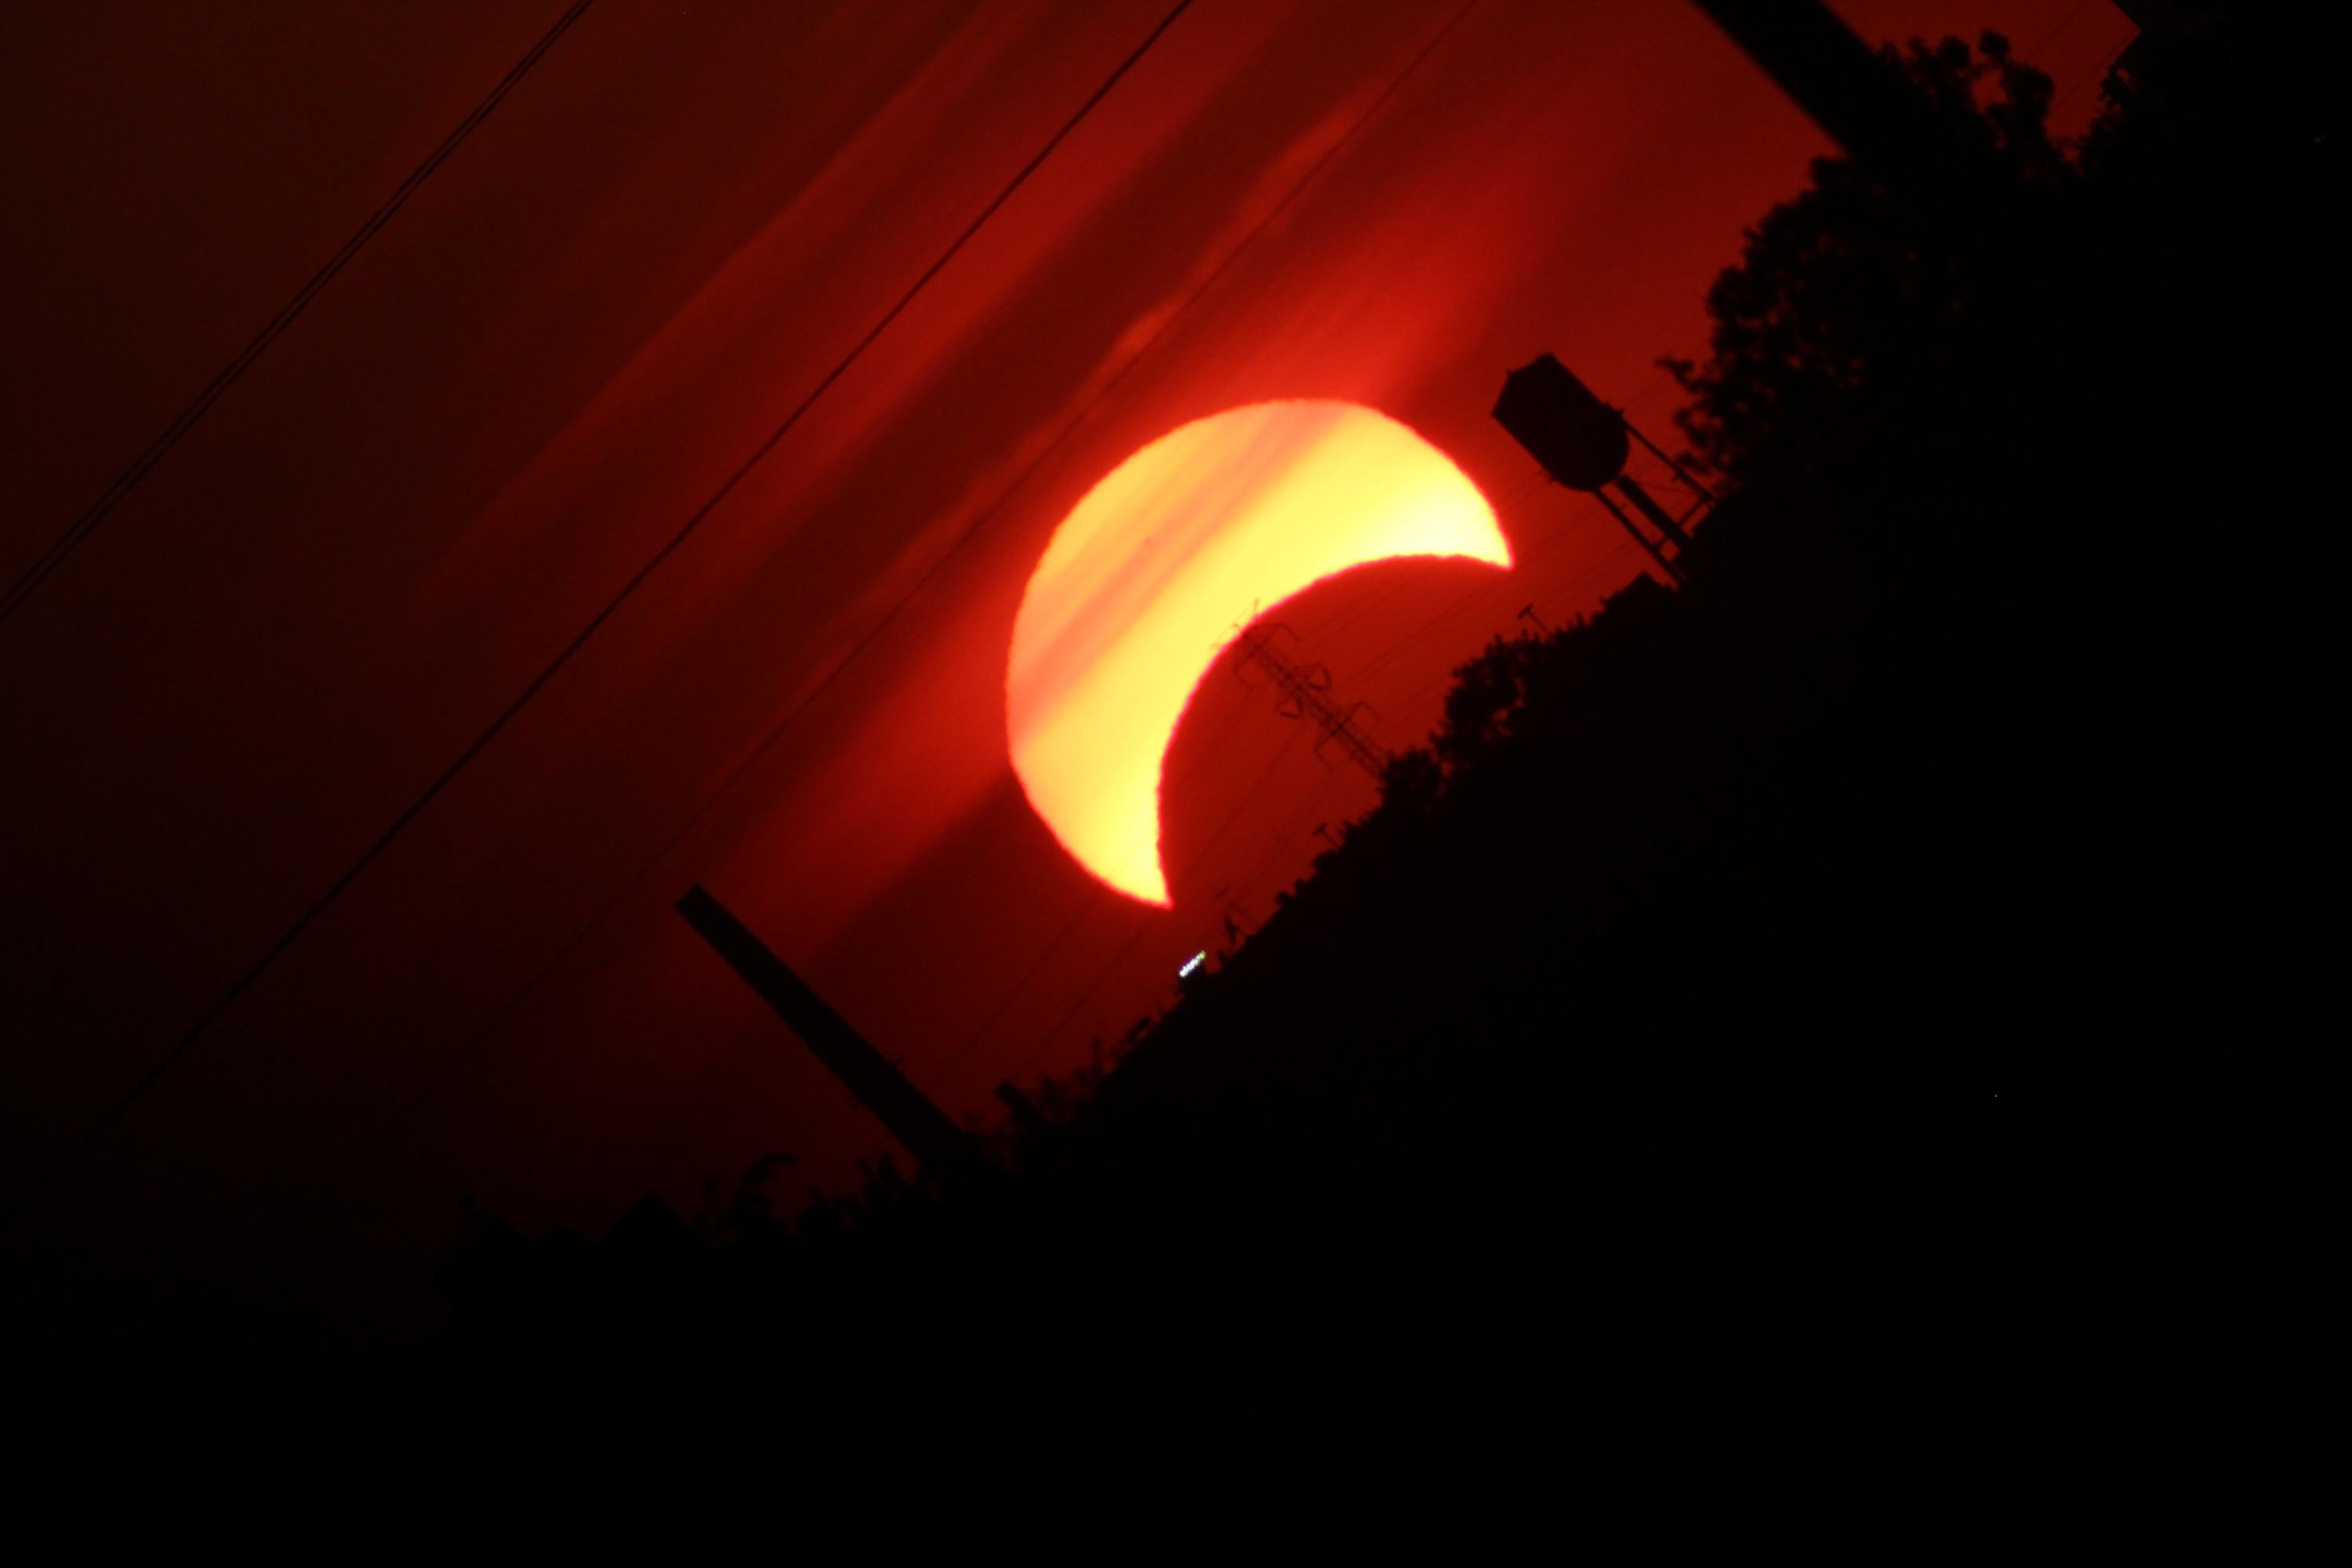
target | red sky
[{"x": 653, "y": 251}]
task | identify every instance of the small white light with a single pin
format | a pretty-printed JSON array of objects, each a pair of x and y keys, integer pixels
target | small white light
[{"x": 1192, "y": 963}]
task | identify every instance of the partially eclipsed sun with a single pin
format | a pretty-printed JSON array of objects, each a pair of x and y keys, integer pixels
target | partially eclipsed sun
[{"x": 1162, "y": 566}]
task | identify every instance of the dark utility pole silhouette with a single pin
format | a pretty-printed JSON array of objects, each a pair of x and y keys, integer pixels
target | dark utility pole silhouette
[
  {"x": 1303, "y": 687},
  {"x": 1832, "y": 74},
  {"x": 1583, "y": 443},
  {"x": 939, "y": 1143}
]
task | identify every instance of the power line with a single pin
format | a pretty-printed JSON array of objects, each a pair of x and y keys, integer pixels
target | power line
[
  {"x": 1240, "y": 713},
  {"x": 1612, "y": 562},
  {"x": 1617, "y": 557},
  {"x": 1620, "y": 549},
  {"x": 1086, "y": 996},
  {"x": 1324, "y": 629},
  {"x": 449, "y": 775},
  {"x": 1620, "y": 556},
  {"x": 30, "y": 580},
  {"x": 783, "y": 725},
  {"x": 1302, "y": 688},
  {"x": 1282, "y": 839},
  {"x": 1126, "y": 950},
  {"x": 2096, "y": 73},
  {"x": 1200, "y": 858},
  {"x": 2080, "y": 6},
  {"x": 1087, "y": 905}
]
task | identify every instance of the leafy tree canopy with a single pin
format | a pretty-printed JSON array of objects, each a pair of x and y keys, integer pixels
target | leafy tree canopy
[{"x": 1843, "y": 296}]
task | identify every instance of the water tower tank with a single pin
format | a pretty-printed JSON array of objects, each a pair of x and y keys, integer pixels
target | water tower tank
[{"x": 1579, "y": 439}]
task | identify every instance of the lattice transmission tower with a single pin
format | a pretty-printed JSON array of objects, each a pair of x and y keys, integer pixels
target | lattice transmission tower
[{"x": 1304, "y": 689}]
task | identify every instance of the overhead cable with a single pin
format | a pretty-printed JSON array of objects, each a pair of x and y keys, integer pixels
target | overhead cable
[
  {"x": 449, "y": 775},
  {"x": 783, "y": 724},
  {"x": 29, "y": 581}
]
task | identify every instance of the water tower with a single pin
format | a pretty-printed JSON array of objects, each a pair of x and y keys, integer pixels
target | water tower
[{"x": 1583, "y": 443}]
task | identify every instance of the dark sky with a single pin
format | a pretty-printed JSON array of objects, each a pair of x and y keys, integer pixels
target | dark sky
[{"x": 653, "y": 250}]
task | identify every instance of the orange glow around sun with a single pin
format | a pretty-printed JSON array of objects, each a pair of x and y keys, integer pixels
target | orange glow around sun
[{"x": 1166, "y": 561}]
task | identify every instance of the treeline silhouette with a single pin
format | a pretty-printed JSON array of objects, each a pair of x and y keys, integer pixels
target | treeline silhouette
[
  {"x": 1818, "y": 1025},
  {"x": 1827, "y": 1030}
]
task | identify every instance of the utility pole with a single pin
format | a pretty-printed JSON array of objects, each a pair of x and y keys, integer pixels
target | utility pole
[
  {"x": 1817, "y": 60},
  {"x": 1303, "y": 687},
  {"x": 935, "y": 1140}
]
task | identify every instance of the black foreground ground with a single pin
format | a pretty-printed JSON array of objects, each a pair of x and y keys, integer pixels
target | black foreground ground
[{"x": 1835, "y": 1031}]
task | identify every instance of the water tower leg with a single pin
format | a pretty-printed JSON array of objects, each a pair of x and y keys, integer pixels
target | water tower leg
[{"x": 1673, "y": 571}]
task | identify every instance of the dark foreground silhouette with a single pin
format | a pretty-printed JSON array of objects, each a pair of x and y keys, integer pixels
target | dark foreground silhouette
[{"x": 1827, "y": 1032}]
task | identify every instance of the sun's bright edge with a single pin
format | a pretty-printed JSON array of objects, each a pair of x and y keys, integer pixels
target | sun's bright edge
[{"x": 1166, "y": 561}]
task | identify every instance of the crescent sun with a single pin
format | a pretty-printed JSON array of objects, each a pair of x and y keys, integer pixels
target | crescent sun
[{"x": 1166, "y": 561}]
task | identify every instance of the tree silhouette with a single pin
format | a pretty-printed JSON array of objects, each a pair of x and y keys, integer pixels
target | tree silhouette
[
  {"x": 1847, "y": 300},
  {"x": 1777, "y": 1028},
  {"x": 1760, "y": 987}
]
